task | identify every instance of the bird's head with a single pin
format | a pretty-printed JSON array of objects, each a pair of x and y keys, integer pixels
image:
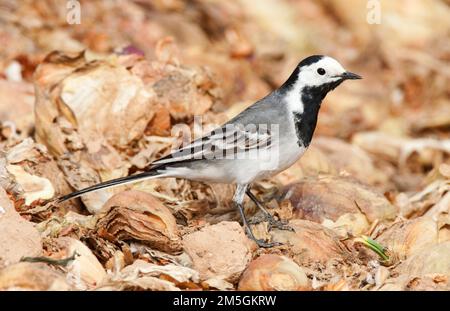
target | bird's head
[{"x": 319, "y": 72}]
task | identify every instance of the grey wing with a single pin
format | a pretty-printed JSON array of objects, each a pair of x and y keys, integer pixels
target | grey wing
[{"x": 224, "y": 142}]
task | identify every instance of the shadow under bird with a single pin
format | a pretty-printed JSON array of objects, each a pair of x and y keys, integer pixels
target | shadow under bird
[{"x": 263, "y": 140}]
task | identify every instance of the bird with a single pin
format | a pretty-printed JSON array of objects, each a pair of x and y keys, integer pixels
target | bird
[{"x": 261, "y": 141}]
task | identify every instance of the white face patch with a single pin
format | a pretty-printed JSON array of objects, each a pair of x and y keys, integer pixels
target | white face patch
[
  {"x": 328, "y": 66},
  {"x": 310, "y": 76}
]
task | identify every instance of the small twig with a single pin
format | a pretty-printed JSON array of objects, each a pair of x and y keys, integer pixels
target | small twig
[{"x": 57, "y": 262}]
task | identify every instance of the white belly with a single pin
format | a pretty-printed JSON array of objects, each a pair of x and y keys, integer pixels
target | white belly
[{"x": 256, "y": 165}]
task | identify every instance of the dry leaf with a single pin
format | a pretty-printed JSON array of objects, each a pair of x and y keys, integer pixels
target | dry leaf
[
  {"x": 18, "y": 237},
  {"x": 147, "y": 276},
  {"x": 273, "y": 273},
  {"x": 85, "y": 271},
  {"x": 227, "y": 261},
  {"x": 329, "y": 197},
  {"x": 136, "y": 215},
  {"x": 405, "y": 238},
  {"x": 311, "y": 242},
  {"x": 32, "y": 276}
]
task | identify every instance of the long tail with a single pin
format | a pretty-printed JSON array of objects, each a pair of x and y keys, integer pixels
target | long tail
[{"x": 111, "y": 183}]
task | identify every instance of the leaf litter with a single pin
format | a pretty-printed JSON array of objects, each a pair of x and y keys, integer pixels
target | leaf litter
[{"x": 369, "y": 201}]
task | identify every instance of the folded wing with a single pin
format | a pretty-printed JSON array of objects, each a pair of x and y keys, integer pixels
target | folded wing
[{"x": 229, "y": 141}]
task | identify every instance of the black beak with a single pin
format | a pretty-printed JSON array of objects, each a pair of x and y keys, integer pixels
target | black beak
[{"x": 350, "y": 76}]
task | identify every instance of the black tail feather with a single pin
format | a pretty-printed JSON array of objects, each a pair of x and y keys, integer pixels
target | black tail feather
[{"x": 109, "y": 183}]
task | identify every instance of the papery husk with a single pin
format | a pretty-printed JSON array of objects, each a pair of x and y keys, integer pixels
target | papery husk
[
  {"x": 427, "y": 269},
  {"x": 136, "y": 215},
  {"x": 355, "y": 14},
  {"x": 333, "y": 156},
  {"x": 85, "y": 271},
  {"x": 406, "y": 237},
  {"x": 31, "y": 173},
  {"x": 91, "y": 109},
  {"x": 344, "y": 115},
  {"x": 330, "y": 197},
  {"x": 147, "y": 276},
  {"x": 80, "y": 97},
  {"x": 273, "y": 273},
  {"x": 432, "y": 201},
  {"x": 141, "y": 250},
  {"x": 399, "y": 150},
  {"x": 19, "y": 95},
  {"x": 431, "y": 282},
  {"x": 350, "y": 224},
  {"x": 32, "y": 276},
  {"x": 130, "y": 100},
  {"x": 71, "y": 224},
  {"x": 34, "y": 187},
  {"x": 102, "y": 248},
  {"x": 311, "y": 242},
  {"x": 79, "y": 174},
  {"x": 431, "y": 259},
  {"x": 217, "y": 283},
  {"x": 350, "y": 159},
  {"x": 191, "y": 201},
  {"x": 313, "y": 162},
  {"x": 220, "y": 250}
]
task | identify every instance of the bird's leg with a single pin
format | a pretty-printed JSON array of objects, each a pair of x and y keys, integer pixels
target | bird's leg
[
  {"x": 273, "y": 223},
  {"x": 238, "y": 199}
]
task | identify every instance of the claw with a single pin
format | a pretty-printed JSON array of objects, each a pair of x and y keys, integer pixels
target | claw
[
  {"x": 238, "y": 201},
  {"x": 257, "y": 220},
  {"x": 264, "y": 244},
  {"x": 273, "y": 223},
  {"x": 260, "y": 242}
]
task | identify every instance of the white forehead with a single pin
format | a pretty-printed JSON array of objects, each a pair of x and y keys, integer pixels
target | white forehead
[{"x": 329, "y": 64}]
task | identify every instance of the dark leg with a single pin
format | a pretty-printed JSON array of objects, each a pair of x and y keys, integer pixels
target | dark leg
[
  {"x": 273, "y": 223},
  {"x": 238, "y": 199}
]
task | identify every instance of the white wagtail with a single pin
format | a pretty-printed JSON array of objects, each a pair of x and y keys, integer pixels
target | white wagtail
[{"x": 280, "y": 126}]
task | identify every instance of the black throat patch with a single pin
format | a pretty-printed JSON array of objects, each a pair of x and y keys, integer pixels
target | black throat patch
[{"x": 305, "y": 122}]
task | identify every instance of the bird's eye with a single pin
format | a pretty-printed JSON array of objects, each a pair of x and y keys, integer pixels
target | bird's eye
[{"x": 321, "y": 71}]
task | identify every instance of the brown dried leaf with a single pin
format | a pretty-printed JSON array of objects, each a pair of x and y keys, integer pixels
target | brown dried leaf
[
  {"x": 148, "y": 276},
  {"x": 85, "y": 271},
  {"x": 429, "y": 260},
  {"x": 18, "y": 237},
  {"x": 405, "y": 238},
  {"x": 19, "y": 95},
  {"x": 32, "y": 276},
  {"x": 350, "y": 224},
  {"x": 329, "y": 197},
  {"x": 403, "y": 151},
  {"x": 227, "y": 261},
  {"x": 350, "y": 159},
  {"x": 311, "y": 242},
  {"x": 273, "y": 272}
]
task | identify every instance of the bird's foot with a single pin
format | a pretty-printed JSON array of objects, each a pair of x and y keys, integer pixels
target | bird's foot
[
  {"x": 262, "y": 243},
  {"x": 258, "y": 220},
  {"x": 279, "y": 224},
  {"x": 273, "y": 223}
]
